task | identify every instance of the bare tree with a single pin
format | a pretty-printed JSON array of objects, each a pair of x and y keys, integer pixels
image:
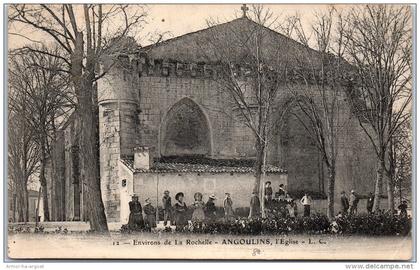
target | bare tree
[
  {"x": 321, "y": 99},
  {"x": 251, "y": 66},
  {"x": 23, "y": 152},
  {"x": 86, "y": 33},
  {"x": 400, "y": 161},
  {"x": 380, "y": 47},
  {"x": 39, "y": 77}
]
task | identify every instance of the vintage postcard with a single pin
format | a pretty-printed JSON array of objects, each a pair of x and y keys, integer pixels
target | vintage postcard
[{"x": 210, "y": 131}]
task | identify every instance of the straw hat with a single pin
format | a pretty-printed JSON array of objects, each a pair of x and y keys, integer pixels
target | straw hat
[{"x": 178, "y": 195}]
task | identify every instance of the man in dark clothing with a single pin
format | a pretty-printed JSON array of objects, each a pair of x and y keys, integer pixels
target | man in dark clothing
[
  {"x": 354, "y": 200},
  {"x": 167, "y": 208},
  {"x": 210, "y": 209},
  {"x": 255, "y": 206},
  {"x": 268, "y": 195},
  {"x": 282, "y": 192},
  {"x": 268, "y": 191},
  {"x": 135, "y": 220},
  {"x": 369, "y": 203},
  {"x": 344, "y": 203},
  {"x": 403, "y": 209}
]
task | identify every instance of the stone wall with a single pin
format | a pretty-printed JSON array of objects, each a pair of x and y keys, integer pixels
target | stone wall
[
  {"x": 229, "y": 139},
  {"x": 109, "y": 138},
  {"x": 137, "y": 108},
  {"x": 118, "y": 129}
]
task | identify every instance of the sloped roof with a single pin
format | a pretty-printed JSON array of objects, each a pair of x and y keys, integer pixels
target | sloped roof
[
  {"x": 200, "y": 46},
  {"x": 164, "y": 167}
]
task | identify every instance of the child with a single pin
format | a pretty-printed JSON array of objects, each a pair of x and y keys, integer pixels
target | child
[
  {"x": 198, "y": 213},
  {"x": 167, "y": 208}
]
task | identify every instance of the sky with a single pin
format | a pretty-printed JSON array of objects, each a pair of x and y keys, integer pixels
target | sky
[{"x": 179, "y": 19}]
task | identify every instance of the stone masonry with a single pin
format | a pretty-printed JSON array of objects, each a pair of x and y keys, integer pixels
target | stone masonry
[{"x": 148, "y": 93}]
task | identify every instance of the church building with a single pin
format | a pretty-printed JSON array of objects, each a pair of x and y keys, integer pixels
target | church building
[{"x": 163, "y": 126}]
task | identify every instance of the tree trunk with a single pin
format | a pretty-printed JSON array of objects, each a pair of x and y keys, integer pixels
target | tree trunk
[
  {"x": 43, "y": 182},
  {"x": 26, "y": 202},
  {"x": 390, "y": 193},
  {"x": 259, "y": 146},
  {"x": 37, "y": 207},
  {"x": 330, "y": 193},
  {"x": 379, "y": 181},
  {"x": 14, "y": 205},
  {"x": 20, "y": 207},
  {"x": 22, "y": 200},
  {"x": 83, "y": 84},
  {"x": 90, "y": 166},
  {"x": 23, "y": 209},
  {"x": 258, "y": 165}
]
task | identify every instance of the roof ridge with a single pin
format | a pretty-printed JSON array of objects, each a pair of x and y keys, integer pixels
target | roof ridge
[
  {"x": 194, "y": 32},
  {"x": 296, "y": 42}
]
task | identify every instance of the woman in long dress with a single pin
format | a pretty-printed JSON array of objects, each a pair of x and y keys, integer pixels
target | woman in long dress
[
  {"x": 227, "y": 205},
  {"x": 135, "y": 220},
  {"x": 255, "y": 207},
  {"x": 198, "y": 213},
  {"x": 210, "y": 209},
  {"x": 150, "y": 215},
  {"x": 180, "y": 209}
]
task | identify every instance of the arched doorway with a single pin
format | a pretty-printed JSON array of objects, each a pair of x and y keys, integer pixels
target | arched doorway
[{"x": 185, "y": 130}]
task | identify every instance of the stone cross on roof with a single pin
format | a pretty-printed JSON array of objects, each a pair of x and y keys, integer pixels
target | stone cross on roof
[{"x": 244, "y": 10}]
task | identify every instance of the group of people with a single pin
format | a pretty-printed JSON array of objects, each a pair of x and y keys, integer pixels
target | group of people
[
  {"x": 136, "y": 221},
  {"x": 202, "y": 213},
  {"x": 283, "y": 204},
  {"x": 349, "y": 205},
  {"x": 177, "y": 213}
]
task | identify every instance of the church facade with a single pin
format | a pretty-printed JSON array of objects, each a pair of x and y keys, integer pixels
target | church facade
[{"x": 164, "y": 103}]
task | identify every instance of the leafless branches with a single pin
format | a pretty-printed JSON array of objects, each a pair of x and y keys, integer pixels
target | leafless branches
[
  {"x": 320, "y": 99},
  {"x": 380, "y": 47}
]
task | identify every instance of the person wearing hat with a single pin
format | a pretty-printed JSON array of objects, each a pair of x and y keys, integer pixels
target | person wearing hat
[
  {"x": 210, "y": 209},
  {"x": 167, "y": 208},
  {"x": 180, "y": 211},
  {"x": 403, "y": 209},
  {"x": 227, "y": 206},
  {"x": 198, "y": 213},
  {"x": 135, "y": 220},
  {"x": 254, "y": 206},
  {"x": 344, "y": 203},
  {"x": 150, "y": 215},
  {"x": 268, "y": 192},
  {"x": 354, "y": 200},
  {"x": 282, "y": 192}
]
